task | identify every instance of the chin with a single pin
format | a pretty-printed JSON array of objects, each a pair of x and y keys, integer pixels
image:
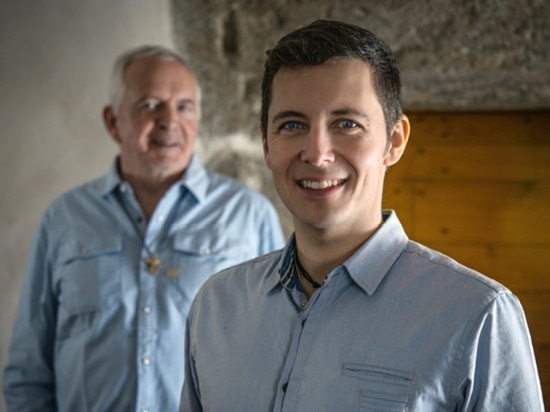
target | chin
[{"x": 167, "y": 170}]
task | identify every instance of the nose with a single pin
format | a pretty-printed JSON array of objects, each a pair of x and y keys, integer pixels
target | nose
[
  {"x": 168, "y": 117},
  {"x": 318, "y": 147}
]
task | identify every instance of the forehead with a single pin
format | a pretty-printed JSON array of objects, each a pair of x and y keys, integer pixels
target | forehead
[
  {"x": 341, "y": 83},
  {"x": 156, "y": 75}
]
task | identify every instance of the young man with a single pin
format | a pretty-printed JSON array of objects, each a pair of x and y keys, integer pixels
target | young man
[
  {"x": 116, "y": 262},
  {"x": 351, "y": 315}
]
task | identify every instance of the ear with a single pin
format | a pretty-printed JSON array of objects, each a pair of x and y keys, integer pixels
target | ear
[
  {"x": 398, "y": 141},
  {"x": 109, "y": 120}
]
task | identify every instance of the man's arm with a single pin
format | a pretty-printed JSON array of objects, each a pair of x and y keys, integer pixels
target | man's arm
[
  {"x": 190, "y": 397},
  {"x": 29, "y": 383},
  {"x": 499, "y": 369}
]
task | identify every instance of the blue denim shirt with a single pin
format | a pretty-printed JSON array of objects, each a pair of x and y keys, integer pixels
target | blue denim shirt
[
  {"x": 397, "y": 327},
  {"x": 95, "y": 331}
]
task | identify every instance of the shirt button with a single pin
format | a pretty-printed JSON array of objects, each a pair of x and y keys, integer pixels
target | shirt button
[
  {"x": 145, "y": 410},
  {"x": 123, "y": 188},
  {"x": 146, "y": 361},
  {"x": 160, "y": 218},
  {"x": 146, "y": 309},
  {"x": 207, "y": 251}
]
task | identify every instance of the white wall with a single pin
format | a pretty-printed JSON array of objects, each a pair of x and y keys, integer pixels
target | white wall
[{"x": 56, "y": 57}]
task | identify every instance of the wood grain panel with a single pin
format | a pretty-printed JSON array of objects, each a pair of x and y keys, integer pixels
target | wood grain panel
[
  {"x": 542, "y": 354},
  {"x": 479, "y": 129},
  {"x": 500, "y": 163},
  {"x": 498, "y": 212}
]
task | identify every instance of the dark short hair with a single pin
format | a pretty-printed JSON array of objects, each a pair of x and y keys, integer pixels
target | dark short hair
[{"x": 327, "y": 40}]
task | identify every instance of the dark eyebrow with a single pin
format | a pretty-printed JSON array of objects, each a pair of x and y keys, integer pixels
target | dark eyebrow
[
  {"x": 286, "y": 114},
  {"x": 347, "y": 111}
]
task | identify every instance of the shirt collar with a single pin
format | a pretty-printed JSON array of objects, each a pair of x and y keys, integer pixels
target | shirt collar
[
  {"x": 370, "y": 264},
  {"x": 195, "y": 179},
  {"x": 367, "y": 267},
  {"x": 285, "y": 273},
  {"x": 109, "y": 182}
]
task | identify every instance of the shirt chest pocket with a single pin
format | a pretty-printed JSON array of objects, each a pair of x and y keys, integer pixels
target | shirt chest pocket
[
  {"x": 211, "y": 248},
  {"x": 381, "y": 389},
  {"x": 200, "y": 254},
  {"x": 88, "y": 276}
]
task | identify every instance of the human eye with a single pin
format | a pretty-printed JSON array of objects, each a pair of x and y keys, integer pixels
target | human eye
[
  {"x": 291, "y": 126},
  {"x": 149, "y": 105},
  {"x": 348, "y": 124},
  {"x": 186, "y": 106}
]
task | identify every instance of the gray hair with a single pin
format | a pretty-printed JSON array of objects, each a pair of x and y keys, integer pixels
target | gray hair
[{"x": 117, "y": 86}]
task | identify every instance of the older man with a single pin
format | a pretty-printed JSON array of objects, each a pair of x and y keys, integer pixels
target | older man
[
  {"x": 351, "y": 315},
  {"x": 117, "y": 261}
]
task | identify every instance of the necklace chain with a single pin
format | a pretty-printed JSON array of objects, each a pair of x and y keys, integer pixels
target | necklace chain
[
  {"x": 152, "y": 262},
  {"x": 303, "y": 273}
]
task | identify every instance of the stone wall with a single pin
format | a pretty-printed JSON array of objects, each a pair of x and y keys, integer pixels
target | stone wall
[{"x": 453, "y": 55}]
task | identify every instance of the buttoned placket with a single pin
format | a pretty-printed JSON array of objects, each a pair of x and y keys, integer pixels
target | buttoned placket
[
  {"x": 156, "y": 235},
  {"x": 307, "y": 314},
  {"x": 147, "y": 289},
  {"x": 308, "y": 321}
]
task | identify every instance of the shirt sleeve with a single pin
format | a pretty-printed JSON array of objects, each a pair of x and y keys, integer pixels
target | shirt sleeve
[
  {"x": 28, "y": 382},
  {"x": 190, "y": 396},
  {"x": 498, "y": 369}
]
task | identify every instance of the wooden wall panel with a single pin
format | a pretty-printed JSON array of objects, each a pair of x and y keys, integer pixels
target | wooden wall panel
[
  {"x": 476, "y": 186},
  {"x": 497, "y": 162},
  {"x": 480, "y": 128}
]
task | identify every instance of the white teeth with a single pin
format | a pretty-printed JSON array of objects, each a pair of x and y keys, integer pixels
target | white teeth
[
  {"x": 310, "y": 184},
  {"x": 162, "y": 143}
]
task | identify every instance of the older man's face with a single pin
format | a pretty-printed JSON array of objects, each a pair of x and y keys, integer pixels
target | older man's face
[{"x": 156, "y": 124}]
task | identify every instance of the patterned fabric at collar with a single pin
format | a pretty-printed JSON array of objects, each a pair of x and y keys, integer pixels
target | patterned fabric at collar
[
  {"x": 288, "y": 279},
  {"x": 378, "y": 254}
]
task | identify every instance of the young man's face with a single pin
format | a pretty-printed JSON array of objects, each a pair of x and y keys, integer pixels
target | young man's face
[
  {"x": 327, "y": 148},
  {"x": 157, "y": 121}
]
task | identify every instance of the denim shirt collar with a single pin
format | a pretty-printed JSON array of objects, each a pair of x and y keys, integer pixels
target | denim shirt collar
[
  {"x": 367, "y": 267},
  {"x": 195, "y": 179}
]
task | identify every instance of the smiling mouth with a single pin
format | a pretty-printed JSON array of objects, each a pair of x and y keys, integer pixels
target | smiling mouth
[
  {"x": 161, "y": 143},
  {"x": 320, "y": 185}
]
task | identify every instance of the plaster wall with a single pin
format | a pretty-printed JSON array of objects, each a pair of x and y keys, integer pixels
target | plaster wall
[{"x": 56, "y": 60}]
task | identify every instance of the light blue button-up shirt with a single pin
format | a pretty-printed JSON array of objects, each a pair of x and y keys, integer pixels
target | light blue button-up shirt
[
  {"x": 95, "y": 331},
  {"x": 397, "y": 327}
]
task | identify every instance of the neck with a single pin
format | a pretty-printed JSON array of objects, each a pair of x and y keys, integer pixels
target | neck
[
  {"x": 148, "y": 193},
  {"x": 320, "y": 251}
]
